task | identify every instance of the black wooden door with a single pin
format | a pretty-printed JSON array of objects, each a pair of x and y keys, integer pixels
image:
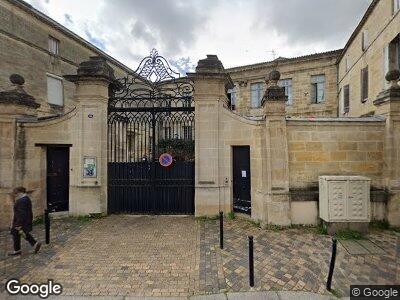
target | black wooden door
[
  {"x": 241, "y": 179},
  {"x": 57, "y": 178}
]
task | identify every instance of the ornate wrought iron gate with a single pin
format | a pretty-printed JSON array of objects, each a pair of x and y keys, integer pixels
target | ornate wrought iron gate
[{"x": 150, "y": 113}]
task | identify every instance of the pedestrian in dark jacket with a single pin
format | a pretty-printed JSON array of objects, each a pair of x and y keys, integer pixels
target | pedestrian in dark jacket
[{"x": 22, "y": 221}]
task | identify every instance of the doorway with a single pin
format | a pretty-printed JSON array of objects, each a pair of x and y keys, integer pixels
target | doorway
[
  {"x": 57, "y": 178},
  {"x": 241, "y": 179}
]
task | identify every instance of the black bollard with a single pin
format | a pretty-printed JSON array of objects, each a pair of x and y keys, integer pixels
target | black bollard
[
  {"x": 332, "y": 265},
  {"x": 47, "y": 225},
  {"x": 251, "y": 261},
  {"x": 221, "y": 230}
]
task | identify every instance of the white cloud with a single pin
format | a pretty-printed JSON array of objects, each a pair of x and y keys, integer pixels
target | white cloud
[{"x": 238, "y": 31}]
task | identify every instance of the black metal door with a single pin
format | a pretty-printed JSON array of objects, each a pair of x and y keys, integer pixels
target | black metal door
[
  {"x": 241, "y": 179},
  {"x": 149, "y": 115},
  {"x": 57, "y": 178}
]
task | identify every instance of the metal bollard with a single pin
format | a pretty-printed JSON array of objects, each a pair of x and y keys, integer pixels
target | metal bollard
[
  {"x": 251, "y": 261},
  {"x": 47, "y": 225},
  {"x": 221, "y": 230},
  {"x": 332, "y": 265}
]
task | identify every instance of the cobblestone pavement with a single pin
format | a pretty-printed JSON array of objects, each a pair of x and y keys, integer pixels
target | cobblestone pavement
[
  {"x": 178, "y": 256},
  {"x": 16, "y": 267},
  {"x": 298, "y": 260}
]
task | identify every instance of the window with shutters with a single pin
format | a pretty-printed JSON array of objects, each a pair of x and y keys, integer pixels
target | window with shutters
[
  {"x": 386, "y": 63},
  {"x": 232, "y": 94},
  {"x": 365, "y": 40},
  {"x": 347, "y": 64},
  {"x": 394, "y": 53},
  {"x": 54, "y": 45},
  {"x": 257, "y": 92},
  {"x": 364, "y": 84},
  {"x": 287, "y": 85},
  {"x": 55, "y": 90},
  {"x": 318, "y": 88},
  {"x": 395, "y": 6},
  {"x": 346, "y": 98}
]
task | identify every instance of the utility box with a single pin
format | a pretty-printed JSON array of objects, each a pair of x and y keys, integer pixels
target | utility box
[{"x": 346, "y": 200}]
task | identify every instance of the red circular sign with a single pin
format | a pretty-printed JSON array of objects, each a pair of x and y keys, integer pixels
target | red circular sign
[{"x": 165, "y": 159}]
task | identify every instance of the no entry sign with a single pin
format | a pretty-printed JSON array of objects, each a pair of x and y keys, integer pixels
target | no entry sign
[{"x": 165, "y": 159}]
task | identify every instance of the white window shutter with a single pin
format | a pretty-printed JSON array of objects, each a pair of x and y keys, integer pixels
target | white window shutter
[
  {"x": 385, "y": 65},
  {"x": 55, "y": 93}
]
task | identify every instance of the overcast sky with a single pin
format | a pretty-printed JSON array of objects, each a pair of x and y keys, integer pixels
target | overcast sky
[{"x": 240, "y": 32}]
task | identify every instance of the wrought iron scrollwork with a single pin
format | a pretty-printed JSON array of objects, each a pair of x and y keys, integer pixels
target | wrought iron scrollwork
[
  {"x": 154, "y": 84},
  {"x": 155, "y": 68},
  {"x": 144, "y": 113}
]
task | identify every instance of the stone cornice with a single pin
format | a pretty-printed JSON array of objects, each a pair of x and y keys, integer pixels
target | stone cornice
[
  {"x": 96, "y": 68},
  {"x": 17, "y": 97}
]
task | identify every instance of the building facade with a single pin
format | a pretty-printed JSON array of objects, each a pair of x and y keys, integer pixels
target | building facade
[
  {"x": 42, "y": 51},
  {"x": 310, "y": 84},
  {"x": 371, "y": 51},
  {"x": 262, "y": 134}
]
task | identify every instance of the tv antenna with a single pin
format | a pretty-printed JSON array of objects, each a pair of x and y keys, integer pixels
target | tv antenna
[{"x": 273, "y": 52}]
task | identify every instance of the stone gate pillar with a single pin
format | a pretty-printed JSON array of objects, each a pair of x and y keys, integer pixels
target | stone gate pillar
[
  {"x": 211, "y": 84},
  {"x": 388, "y": 105},
  {"x": 276, "y": 151},
  {"x": 88, "y": 158},
  {"x": 15, "y": 106}
]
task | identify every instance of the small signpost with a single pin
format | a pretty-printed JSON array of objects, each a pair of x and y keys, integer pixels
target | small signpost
[{"x": 165, "y": 160}]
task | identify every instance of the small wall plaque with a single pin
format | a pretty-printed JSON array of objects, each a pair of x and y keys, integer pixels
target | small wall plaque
[{"x": 89, "y": 167}]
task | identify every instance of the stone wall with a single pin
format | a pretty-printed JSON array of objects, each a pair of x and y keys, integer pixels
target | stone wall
[
  {"x": 84, "y": 128},
  {"x": 382, "y": 28},
  {"x": 335, "y": 147},
  {"x": 300, "y": 71},
  {"x": 33, "y": 177},
  {"x": 287, "y": 154}
]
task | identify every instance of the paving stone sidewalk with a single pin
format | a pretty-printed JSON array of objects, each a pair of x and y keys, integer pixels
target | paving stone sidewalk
[
  {"x": 298, "y": 260},
  {"x": 126, "y": 255}
]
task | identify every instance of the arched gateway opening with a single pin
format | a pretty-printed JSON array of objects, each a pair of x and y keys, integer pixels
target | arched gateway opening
[{"x": 151, "y": 141}]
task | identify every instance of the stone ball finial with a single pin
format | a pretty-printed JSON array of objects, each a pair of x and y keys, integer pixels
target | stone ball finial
[
  {"x": 393, "y": 75},
  {"x": 17, "y": 79},
  {"x": 274, "y": 75}
]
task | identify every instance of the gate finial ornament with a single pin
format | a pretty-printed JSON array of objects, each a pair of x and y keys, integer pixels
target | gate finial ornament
[{"x": 155, "y": 68}]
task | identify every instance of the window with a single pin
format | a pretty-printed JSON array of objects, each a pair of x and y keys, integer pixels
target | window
[
  {"x": 287, "y": 84},
  {"x": 318, "y": 89},
  {"x": 55, "y": 90},
  {"x": 232, "y": 97},
  {"x": 347, "y": 64},
  {"x": 187, "y": 132},
  {"x": 365, "y": 40},
  {"x": 346, "y": 98},
  {"x": 395, "y": 6},
  {"x": 364, "y": 84},
  {"x": 187, "y": 102},
  {"x": 257, "y": 93},
  {"x": 167, "y": 133},
  {"x": 394, "y": 53},
  {"x": 54, "y": 45},
  {"x": 385, "y": 65}
]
